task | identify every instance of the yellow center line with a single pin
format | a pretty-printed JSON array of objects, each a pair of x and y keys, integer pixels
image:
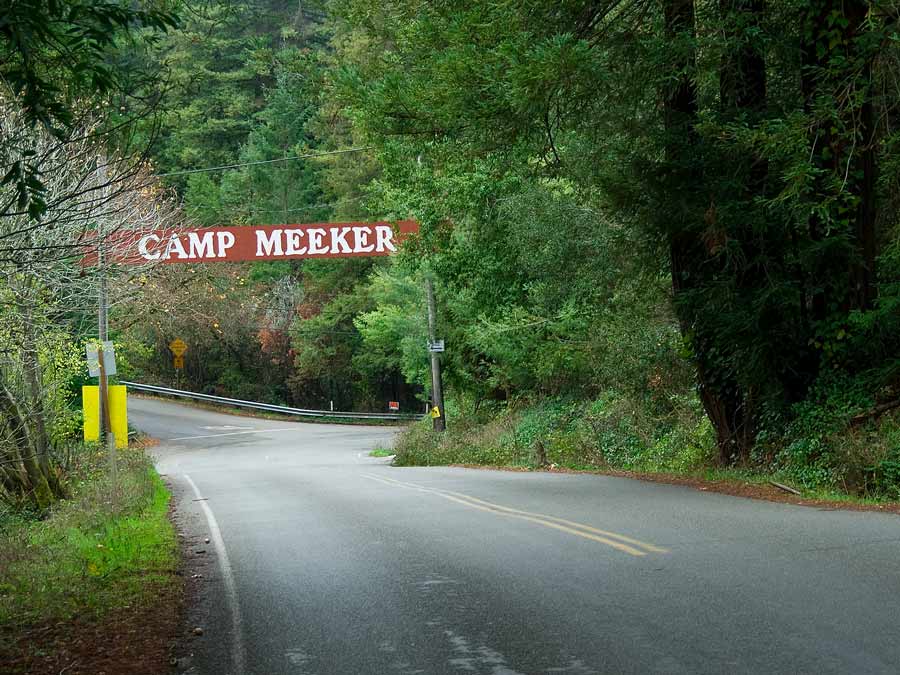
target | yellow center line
[
  {"x": 561, "y": 524},
  {"x": 570, "y": 523}
]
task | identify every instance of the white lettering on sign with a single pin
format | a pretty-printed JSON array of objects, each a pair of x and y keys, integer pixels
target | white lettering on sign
[
  {"x": 175, "y": 246},
  {"x": 268, "y": 244},
  {"x": 315, "y": 236},
  {"x": 263, "y": 242},
  {"x": 294, "y": 242},
  {"x": 226, "y": 241},
  {"x": 383, "y": 236},
  {"x": 361, "y": 240},
  {"x": 339, "y": 240},
  {"x": 143, "y": 249},
  {"x": 201, "y": 247}
]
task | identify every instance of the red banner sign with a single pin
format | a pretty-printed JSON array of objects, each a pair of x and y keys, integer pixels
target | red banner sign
[{"x": 258, "y": 242}]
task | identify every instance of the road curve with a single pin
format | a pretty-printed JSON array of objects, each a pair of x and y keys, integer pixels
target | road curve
[{"x": 323, "y": 559}]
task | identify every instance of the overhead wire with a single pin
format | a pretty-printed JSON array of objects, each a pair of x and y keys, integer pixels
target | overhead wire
[{"x": 240, "y": 165}]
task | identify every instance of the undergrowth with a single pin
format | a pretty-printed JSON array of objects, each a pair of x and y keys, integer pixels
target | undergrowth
[
  {"x": 607, "y": 432},
  {"x": 824, "y": 452},
  {"x": 110, "y": 545}
]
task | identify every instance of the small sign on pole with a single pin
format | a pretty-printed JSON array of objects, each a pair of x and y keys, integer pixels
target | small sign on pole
[
  {"x": 394, "y": 405},
  {"x": 436, "y": 347},
  {"x": 178, "y": 362},
  {"x": 93, "y": 358},
  {"x": 178, "y": 347}
]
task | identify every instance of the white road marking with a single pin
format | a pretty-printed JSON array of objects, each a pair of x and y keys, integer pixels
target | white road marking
[
  {"x": 238, "y": 657},
  {"x": 233, "y": 433}
]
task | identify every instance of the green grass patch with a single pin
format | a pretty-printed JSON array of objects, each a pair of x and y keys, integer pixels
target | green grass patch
[
  {"x": 109, "y": 546},
  {"x": 381, "y": 452}
]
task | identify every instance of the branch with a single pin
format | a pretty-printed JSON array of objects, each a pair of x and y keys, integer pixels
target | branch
[{"x": 877, "y": 411}]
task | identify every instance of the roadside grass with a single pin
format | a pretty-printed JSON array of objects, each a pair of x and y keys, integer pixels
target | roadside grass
[
  {"x": 605, "y": 440},
  {"x": 109, "y": 546},
  {"x": 381, "y": 452}
]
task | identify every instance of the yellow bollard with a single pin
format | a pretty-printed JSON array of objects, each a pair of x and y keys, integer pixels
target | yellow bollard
[
  {"x": 118, "y": 413},
  {"x": 90, "y": 401}
]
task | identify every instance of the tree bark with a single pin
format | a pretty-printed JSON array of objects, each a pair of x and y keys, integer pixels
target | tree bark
[
  {"x": 35, "y": 395},
  {"x": 38, "y": 489},
  {"x": 837, "y": 70},
  {"x": 724, "y": 404}
]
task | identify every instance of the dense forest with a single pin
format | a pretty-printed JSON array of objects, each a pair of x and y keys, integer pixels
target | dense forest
[{"x": 663, "y": 235}]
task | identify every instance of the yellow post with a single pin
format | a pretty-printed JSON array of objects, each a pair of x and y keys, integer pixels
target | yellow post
[
  {"x": 90, "y": 397},
  {"x": 118, "y": 413}
]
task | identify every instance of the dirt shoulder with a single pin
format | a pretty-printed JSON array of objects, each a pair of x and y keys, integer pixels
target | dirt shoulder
[
  {"x": 735, "y": 488},
  {"x": 137, "y": 640},
  {"x": 132, "y": 641}
]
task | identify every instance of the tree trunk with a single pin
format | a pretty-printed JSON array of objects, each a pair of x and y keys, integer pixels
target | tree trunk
[
  {"x": 35, "y": 395},
  {"x": 724, "y": 403},
  {"x": 742, "y": 96},
  {"x": 862, "y": 271},
  {"x": 836, "y": 76},
  {"x": 38, "y": 489},
  {"x": 742, "y": 75}
]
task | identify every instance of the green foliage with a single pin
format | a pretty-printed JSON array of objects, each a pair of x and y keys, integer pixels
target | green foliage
[
  {"x": 544, "y": 152},
  {"x": 62, "y": 365},
  {"x": 224, "y": 64},
  {"x": 821, "y": 448},
  {"x": 610, "y": 432},
  {"x": 56, "y": 57},
  {"x": 661, "y": 236},
  {"x": 393, "y": 334},
  {"x": 107, "y": 547}
]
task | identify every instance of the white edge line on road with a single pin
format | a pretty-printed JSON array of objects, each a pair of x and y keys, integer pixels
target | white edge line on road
[
  {"x": 231, "y": 433},
  {"x": 237, "y": 645}
]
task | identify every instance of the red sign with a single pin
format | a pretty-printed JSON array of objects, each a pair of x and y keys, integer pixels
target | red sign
[
  {"x": 393, "y": 405},
  {"x": 257, "y": 242}
]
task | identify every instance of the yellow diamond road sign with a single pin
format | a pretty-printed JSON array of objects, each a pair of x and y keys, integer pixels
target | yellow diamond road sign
[{"x": 178, "y": 347}]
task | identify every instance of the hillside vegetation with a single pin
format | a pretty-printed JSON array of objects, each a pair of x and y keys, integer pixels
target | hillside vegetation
[{"x": 663, "y": 236}]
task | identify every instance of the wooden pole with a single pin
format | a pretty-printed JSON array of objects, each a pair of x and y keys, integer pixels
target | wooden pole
[
  {"x": 437, "y": 389},
  {"x": 106, "y": 432}
]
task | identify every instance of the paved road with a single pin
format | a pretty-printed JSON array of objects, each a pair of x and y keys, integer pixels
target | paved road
[{"x": 331, "y": 561}]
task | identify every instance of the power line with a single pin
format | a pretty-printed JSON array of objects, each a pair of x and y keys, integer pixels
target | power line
[
  {"x": 308, "y": 207},
  {"x": 264, "y": 161}
]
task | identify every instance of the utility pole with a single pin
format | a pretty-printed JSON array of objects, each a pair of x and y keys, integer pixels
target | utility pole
[
  {"x": 437, "y": 390},
  {"x": 103, "y": 333}
]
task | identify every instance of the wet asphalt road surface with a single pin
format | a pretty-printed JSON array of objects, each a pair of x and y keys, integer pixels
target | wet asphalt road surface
[{"x": 323, "y": 559}]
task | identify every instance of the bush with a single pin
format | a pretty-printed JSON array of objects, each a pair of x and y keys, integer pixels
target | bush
[
  {"x": 823, "y": 448},
  {"x": 107, "y": 546},
  {"x": 612, "y": 431}
]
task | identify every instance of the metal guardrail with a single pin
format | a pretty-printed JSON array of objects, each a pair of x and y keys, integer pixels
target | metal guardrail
[{"x": 301, "y": 412}]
